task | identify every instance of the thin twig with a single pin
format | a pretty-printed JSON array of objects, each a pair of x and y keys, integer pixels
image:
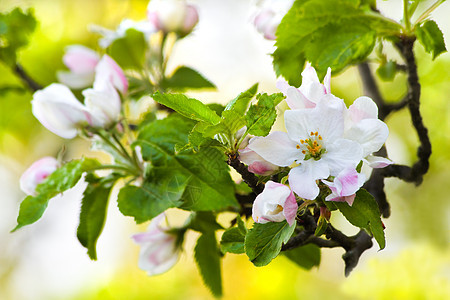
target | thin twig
[
  {"x": 26, "y": 79},
  {"x": 248, "y": 177}
]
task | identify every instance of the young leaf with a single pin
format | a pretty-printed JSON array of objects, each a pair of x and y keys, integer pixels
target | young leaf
[
  {"x": 186, "y": 78},
  {"x": 93, "y": 214},
  {"x": 208, "y": 184},
  {"x": 188, "y": 107},
  {"x": 64, "y": 178},
  {"x": 240, "y": 103},
  {"x": 161, "y": 190},
  {"x": 263, "y": 242},
  {"x": 207, "y": 257},
  {"x": 129, "y": 51},
  {"x": 364, "y": 213},
  {"x": 307, "y": 256},
  {"x": 204, "y": 221},
  {"x": 430, "y": 36},
  {"x": 233, "y": 239},
  {"x": 260, "y": 117},
  {"x": 387, "y": 70}
]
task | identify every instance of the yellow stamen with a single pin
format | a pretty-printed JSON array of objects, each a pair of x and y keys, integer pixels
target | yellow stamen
[
  {"x": 298, "y": 146},
  {"x": 303, "y": 151},
  {"x": 302, "y": 141}
]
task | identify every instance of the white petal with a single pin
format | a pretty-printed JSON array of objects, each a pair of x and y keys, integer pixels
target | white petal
[
  {"x": 75, "y": 80},
  {"x": 302, "y": 179},
  {"x": 296, "y": 100},
  {"x": 363, "y": 108},
  {"x": 342, "y": 154},
  {"x": 378, "y": 161},
  {"x": 371, "y": 134},
  {"x": 327, "y": 81},
  {"x": 276, "y": 148}
]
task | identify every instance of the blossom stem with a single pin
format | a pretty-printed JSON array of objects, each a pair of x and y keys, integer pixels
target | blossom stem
[{"x": 249, "y": 178}]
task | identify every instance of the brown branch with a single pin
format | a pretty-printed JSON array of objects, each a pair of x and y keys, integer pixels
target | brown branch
[
  {"x": 249, "y": 178},
  {"x": 26, "y": 79}
]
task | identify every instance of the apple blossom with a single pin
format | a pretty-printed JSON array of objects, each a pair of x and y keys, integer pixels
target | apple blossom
[
  {"x": 108, "y": 70},
  {"x": 37, "y": 173},
  {"x": 256, "y": 164},
  {"x": 81, "y": 62},
  {"x": 172, "y": 16},
  {"x": 275, "y": 204},
  {"x": 314, "y": 144},
  {"x": 269, "y": 15},
  {"x": 159, "y": 249},
  {"x": 59, "y": 111},
  {"x": 345, "y": 185},
  {"x": 103, "y": 103},
  {"x": 309, "y": 92}
]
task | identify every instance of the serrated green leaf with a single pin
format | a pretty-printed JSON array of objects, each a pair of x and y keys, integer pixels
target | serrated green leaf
[
  {"x": 263, "y": 242},
  {"x": 208, "y": 184},
  {"x": 240, "y": 103},
  {"x": 129, "y": 51},
  {"x": 261, "y": 116},
  {"x": 329, "y": 33},
  {"x": 431, "y": 37},
  {"x": 93, "y": 215},
  {"x": 186, "y": 78},
  {"x": 207, "y": 256},
  {"x": 15, "y": 29},
  {"x": 188, "y": 107},
  {"x": 204, "y": 221},
  {"x": 307, "y": 256},
  {"x": 231, "y": 122},
  {"x": 64, "y": 178},
  {"x": 364, "y": 213},
  {"x": 162, "y": 189},
  {"x": 233, "y": 239},
  {"x": 387, "y": 71}
]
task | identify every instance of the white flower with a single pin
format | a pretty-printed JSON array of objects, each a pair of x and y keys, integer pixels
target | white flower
[
  {"x": 159, "y": 249},
  {"x": 108, "y": 70},
  {"x": 310, "y": 91},
  {"x": 314, "y": 143},
  {"x": 37, "y": 173},
  {"x": 103, "y": 103},
  {"x": 81, "y": 62},
  {"x": 268, "y": 16},
  {"x": 275, "y": 204},
  {"x": 59, "y": 111},
  {"x": 345, "y": 185}
]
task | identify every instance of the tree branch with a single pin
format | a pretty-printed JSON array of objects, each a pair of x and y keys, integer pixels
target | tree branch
[
  {"x": 26, "y": 79},
  {"x": 249, "y": 178}
]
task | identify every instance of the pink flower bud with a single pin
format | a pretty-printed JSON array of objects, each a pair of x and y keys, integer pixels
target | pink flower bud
[
  {"x": 266, "y": 22},
  {"x": 345, "y": 185},
  {"x": 159, "y": 250},
  {"x": 172, "y": 16},
  {"x": 81, "y": 62},
  {"x": 59, "y": 111},
  {"x": 256, "y": 164},
  {"x": 275, "y": 204},
  {"x": 37, "y": 173},
  {"x": 108, "y": 70}
]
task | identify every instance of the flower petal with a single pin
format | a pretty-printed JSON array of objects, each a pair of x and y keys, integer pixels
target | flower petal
[
  {"x": 302, "y": 179},
  {"x": 276, "y": 148},
  {"x": 378, "y": 161},
  {"x": 363, "y": 108},
  {"x": 342, "y": 154},
  {"x": 371, "y": 134}
]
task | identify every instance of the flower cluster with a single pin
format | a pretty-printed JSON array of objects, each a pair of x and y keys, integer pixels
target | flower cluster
[{"x": 323, "y": 146}]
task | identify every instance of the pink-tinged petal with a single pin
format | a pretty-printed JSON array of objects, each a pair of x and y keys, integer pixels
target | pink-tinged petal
[
  {"x": 75, "y": 80},
  {"x": 59, "y": 111},
  {"x": 290, "y": 209},
  {"x": 363, "y": 108},
  {"x": 296, "y": 100},
  {"x": 313, "y": 91},
  {"x": 327, "y": 81},
  {"x": 283, "y": 86},
  {"x": 333, "y": 102},
  {"x": 276, "y": 148},
  {"x": 190, "y": 20},
  {"x": 80, "y": 59},
  {"x": 256, "y": 164},
  {"x": 108, "y": 70},
  {"x": 37, "y": 173},
  {"x": 350, "y": 181},
  {"x": 302, "y": 179},
  {"x": 342, "y": 154},
  {"x": 371, "y": 134},
  {"x": 103, "y": 104},
  {"x": 377, "y": 162},
  {"x": 350, "y": 199},
  {"x": 309, "y": 75}
]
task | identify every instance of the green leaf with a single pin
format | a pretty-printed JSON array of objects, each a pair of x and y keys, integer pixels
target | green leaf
[
  {"x": 240, "y": 103},
  {"x": 322, "y": 225},
  {"x": 233, "y": 239},
  {"x": 207, "y": 257},
  {"x": 307, "y": 256},
  {"x": 161, "y": 190},
  {"x": 261, "y": 116},
  {"x": 263, "y": 242},
  {"x": 188, "y": 107},
  {"x": 186, "y": 78},
  {"x": 129, "y": 51},
  {"x": 204, "y": 221},
  {"x": 15, "y": 29},
  {"x": 364, "y": 213},
  {"x": 231, "y": 122},
  {"x": 93, "y": 214},
  {"x": 430, "y": 36},
  {"x": 387, "y": 70},
  {"x": 64, "y": 178},
  {"x": 208, "y": 183},
  {"x": 328, "y": 33}
]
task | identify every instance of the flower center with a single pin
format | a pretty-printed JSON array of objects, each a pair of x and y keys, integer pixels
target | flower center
[{"x": 312, "y": 147}]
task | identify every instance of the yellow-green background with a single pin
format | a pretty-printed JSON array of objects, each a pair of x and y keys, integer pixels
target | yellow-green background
[{"x": 45, "y": 261}]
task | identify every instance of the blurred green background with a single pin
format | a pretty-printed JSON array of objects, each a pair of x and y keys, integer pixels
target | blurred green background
[{"x": 45, "y": 261}]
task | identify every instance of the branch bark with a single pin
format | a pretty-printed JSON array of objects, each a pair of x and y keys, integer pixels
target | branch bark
[{"x": 26, "y": 79}]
